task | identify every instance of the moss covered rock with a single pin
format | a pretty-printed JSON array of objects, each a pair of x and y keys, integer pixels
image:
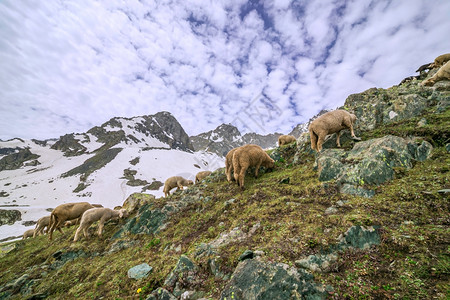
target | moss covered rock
[{"x": 370, "y": 162}]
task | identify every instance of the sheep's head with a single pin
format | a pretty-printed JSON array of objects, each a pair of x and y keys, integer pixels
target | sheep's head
[
  {"x": 353, "y": 118},
  {"x": 269, "y": 164}
]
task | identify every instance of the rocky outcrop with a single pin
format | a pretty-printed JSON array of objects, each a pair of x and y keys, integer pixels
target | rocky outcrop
[
  {"x": 254, "y": 279},
  {"x": 69, "y": 145},
  {"x": 226, "y": 137},
  {"x": 220, "y": 140},
  {"x": 370, "y": 162},
  {"x": 16, "y": 160},
  {"x": 378, "y": 106},
  {"x": 9, "y": 216}
]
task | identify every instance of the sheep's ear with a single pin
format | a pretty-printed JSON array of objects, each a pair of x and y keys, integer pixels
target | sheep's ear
[{"x": 120, "y": 213}]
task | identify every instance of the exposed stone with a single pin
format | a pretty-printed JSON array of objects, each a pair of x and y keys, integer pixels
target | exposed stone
[
  {"x": 248, "y": 254},
  {"x": 161, "y": 294},
  {"x": 136, "y": 201},
  {"x": 17, "y": 159},
  {"x": 253, "y": 279},
  {"x": 359, "y": 237},
  {"x": 370, "y": 162},
  {"x": 139, "y": 271},
  {"x": 9, "y": 216}
]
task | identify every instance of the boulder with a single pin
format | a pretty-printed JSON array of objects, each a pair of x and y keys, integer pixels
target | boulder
[
  {"x": 9, "y": 217},
  {"x": 139, "y": 271},
  {"x": 370, "y": 162},
  {"x": 253, "y": 279},
  {"x": 136, "y": 201}
]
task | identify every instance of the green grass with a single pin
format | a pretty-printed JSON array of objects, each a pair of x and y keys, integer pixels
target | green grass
[{"x": 412, "y": 261}]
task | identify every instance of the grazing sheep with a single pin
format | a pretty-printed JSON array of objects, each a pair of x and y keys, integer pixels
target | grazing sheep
[
  {"x": 229, "y": 164},
  {"x": 440, "y": 60},
  {"x": 67, "y": 211},
  {"x": 250, "y": 156},
  {"x": 328, "y": 123},
  {"x": 201, "y": 175},
  {"x": 28, "y": 234},
  {"x": 285, "y": 139},
  {"x": 442, "y": 74},
  {"x": 97, "y": 214},
  {"x": 175, "y": 182}
]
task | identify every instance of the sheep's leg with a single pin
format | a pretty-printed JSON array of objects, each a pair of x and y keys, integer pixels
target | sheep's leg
[
  {"x": 313, "y": 138},
  {"x": 86, "y": 232},
  {"x": 320, "y": 142},
  {"x": 257, "y": 169},
  {"x": 77, "y": 234},
  {"x": 100, "y": 227},
  {"x": 242, "y": 177},
  {"x": 338, "y": 134}
]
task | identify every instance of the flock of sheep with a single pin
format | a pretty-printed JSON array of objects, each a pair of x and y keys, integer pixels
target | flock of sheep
[{"x": 238, "y": 160}]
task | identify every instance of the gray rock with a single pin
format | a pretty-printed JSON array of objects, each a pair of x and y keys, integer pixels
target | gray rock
[
  {"x": 331, "y": 210},
  {"x": 253, "y": 279},
  {"x": 139, "y": 271},
  {"x": 370, "y": 162},
  {"x": 248, "y": 254},
  {"x": 355, "y": 237},
  {"x": 9, "y": 216},
  {"x": 422, "y": 122},
  {"x": 161, "y": 294},
  {"x": 185, "y": 268},
  {"x": 447, "y": 147}
]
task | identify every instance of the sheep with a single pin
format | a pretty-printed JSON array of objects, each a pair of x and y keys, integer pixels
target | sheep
[
  {"x": 229, "y": 163},
  {"x": 442, "y": 74},
  {"x": 67, "y": 211},
  {"x": 285, "y": 139},
  {"x": 328, "y": 123},
  {"x": 28, "y": 234},
  {"x": 201, "y": 175},
  {"x": 440, "y": 60},
  {"x": 249, "y": 156},
  {"x": 175, "y": 182},
  {"x": 97, "y": 214}
]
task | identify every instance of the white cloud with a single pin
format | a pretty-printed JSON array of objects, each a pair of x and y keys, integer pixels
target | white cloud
[{"x": 68, "y": 66}]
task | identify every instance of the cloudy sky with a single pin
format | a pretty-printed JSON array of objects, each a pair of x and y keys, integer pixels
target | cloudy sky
[{"x": 264, "y": 66}]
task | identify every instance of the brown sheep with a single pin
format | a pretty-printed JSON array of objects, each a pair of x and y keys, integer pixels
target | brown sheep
[
  {"x": 42, "y": 226},
  {"x": 442, "y": 74},
  {"x": 440, "y": 60},
  {"x": 229, "y": 163},
  {"x": 67, "y": 211},
  {"x": 285, "y": 139},
  {"x": 249, "y": 156},
  {"x": 201, "y": 175},
  {"x": 28, "y": 234},
  {"x": 97, "y": 214},
  {"x": 175, "y": 182},
  {"x": 328, "y": 123}
]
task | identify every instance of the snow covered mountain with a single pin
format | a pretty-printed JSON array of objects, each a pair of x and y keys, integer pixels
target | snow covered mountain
[
  {"x": 104, "y": 165},
  {"x": 226, "y": 137}
]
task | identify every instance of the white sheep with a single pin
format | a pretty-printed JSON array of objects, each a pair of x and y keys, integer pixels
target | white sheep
[{"x": 97, "y": 214}]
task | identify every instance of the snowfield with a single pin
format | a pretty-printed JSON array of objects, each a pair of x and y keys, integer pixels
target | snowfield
[{"x": 33, "y": 190}]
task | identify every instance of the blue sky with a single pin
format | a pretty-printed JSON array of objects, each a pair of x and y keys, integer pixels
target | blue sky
[{"x": 264, "y": 66}]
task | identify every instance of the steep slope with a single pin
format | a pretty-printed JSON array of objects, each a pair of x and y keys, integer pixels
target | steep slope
[{"x": 288, "y": 235}]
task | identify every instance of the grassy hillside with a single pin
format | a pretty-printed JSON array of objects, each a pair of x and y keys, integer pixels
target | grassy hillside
[{"x": 282, "y": 213}]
